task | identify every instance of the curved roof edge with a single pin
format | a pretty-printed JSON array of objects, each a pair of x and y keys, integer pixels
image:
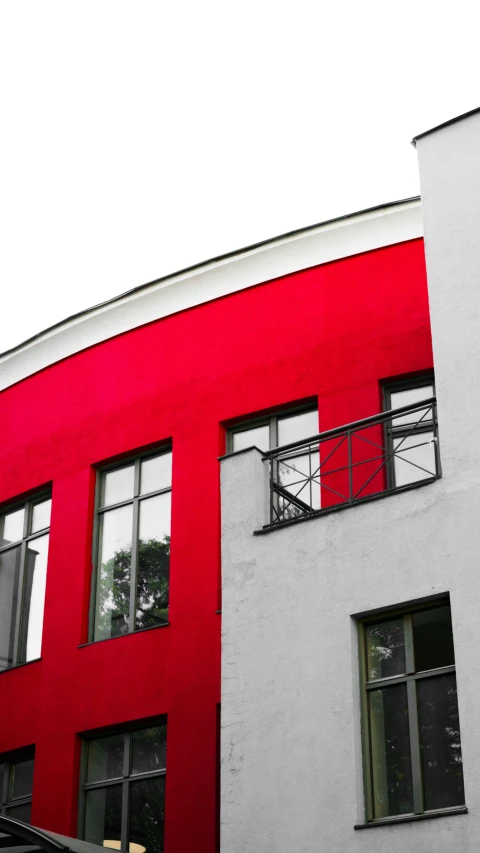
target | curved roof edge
[{"x": 333, "y": 239}]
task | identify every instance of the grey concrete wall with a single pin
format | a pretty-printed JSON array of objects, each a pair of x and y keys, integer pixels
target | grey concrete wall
[{"x": 291, "y": 753}]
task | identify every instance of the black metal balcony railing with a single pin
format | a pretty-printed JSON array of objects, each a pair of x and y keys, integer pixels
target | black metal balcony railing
[{"x": 376, "y": 456}]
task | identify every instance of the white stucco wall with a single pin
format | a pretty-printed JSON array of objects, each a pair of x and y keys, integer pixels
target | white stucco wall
[{"x": 291, "y": 776}]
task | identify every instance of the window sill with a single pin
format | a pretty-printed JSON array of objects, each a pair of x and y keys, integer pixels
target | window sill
[
  {"x": 19, "y": 665},
  {"x": 388, "y": 821},
  {"x": 122, "y": 636}
]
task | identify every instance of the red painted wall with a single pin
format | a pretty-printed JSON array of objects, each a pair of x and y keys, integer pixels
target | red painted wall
[{"x": 332, "y": 332}]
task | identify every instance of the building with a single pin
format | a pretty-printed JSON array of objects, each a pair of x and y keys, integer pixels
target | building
[{"x": 112, "y": 426}]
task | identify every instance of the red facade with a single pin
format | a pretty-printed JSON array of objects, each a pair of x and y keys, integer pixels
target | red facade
[{"x": 332, "y": 334}]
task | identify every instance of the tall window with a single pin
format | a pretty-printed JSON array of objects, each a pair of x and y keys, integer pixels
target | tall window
[
  {"x": 124, "y": 791},
  {"x": 24, "y": 532},
  {"x": 16, "y": 784},
  {"x": 133, "y": 546},
  {"x": 298, "y": 474},
  {"x": 411, "y": 727},
  {"x": 411, "y": 437}
]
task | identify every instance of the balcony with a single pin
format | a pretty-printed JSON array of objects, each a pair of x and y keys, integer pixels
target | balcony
[{"x": 362, "y": 461}]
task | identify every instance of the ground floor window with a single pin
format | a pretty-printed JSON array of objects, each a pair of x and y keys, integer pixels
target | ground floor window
[{"x": 16, "y": 784}]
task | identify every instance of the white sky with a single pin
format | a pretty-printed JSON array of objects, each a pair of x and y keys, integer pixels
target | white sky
[{"x": 140, "y": 137}]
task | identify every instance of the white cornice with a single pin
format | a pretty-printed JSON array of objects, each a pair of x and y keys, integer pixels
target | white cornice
[{"x": 310, "y": 247}]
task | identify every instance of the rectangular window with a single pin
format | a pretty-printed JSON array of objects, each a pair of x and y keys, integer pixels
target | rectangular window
[
  {"x": 411, "y": 438},
  {"x": 124, "y": 790},
  {"x": 299, "y": 474},
  {"x": 133, "y": 546},
  {"x": 411, "y": 726},
  {"x": 24, "y": 533},
  {"x": 16, "y": 784}
]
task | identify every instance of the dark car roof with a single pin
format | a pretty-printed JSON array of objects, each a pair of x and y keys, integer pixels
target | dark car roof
[{"x": 35, "y": 837}]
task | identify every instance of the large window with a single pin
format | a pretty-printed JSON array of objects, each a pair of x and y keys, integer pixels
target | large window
[
  {"x": 411, "y": 438},
  {"x": 16, "y": 783},
  {"x": 24, "y": 533},
  {"x": 411, "y": 728},
  {"x": 124, "y": 790},
  {"x": 299, "y": 474},
  {"x": 133, "y": 546}
]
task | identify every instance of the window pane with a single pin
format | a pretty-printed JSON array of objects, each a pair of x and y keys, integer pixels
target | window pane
[
  {"x": 257, "y": 436},
  {"x": 103, "y": 812},
  {"x": 113, "y": 575},
  {"x": 409, "y": 397},
  {"x": 22, "y": 812},
  {"x": 300, "y": 474},
  {"x": 385, "y": 649},
  {"x": 156, "y": 473},
  {"x": 440, "y": 742},
  {"x": 41, "y": 515},
  {"x": 149, "y": 749},
  {"x": 22, "y": 782},
  {"x": 105, "y": 758},
  {"x": 297, "y": 427},
  {"x": 433, "y": 638},
  {"x": 11, "y": 527},
  {"x": 390, "y": 739},
  {"x": 9, "y": 572},
  {"x": 33, "y": 599},
  {"x": 117, "y": 485},
  {"x": 147, "y": 799},
  {"x": 416, "y": 450},
  {"x": 153, "y": 561}
]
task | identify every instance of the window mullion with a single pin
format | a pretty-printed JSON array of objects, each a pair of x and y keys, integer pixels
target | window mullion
[
  {"x": 133, "y": 569},
  {"x": 125, "y": 792},
  {"x": 413, "y": 717}
]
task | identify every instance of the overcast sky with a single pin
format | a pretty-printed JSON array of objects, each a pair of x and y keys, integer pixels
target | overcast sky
[{"x": 140, "y": 137}]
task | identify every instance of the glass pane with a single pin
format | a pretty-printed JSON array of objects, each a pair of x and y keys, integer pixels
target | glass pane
[
  {"x": 409, "y": 397},
  {"x": 113, "y": 575},
  {"x": 300, "y": 475},
  {"x": 433, "y": 638},
  {"x": 149, "y": 749},
  {"x": 257, "y": 436},
  {"x": 41, "y": 515},
  {"x": 390, "y": 740},
  {"x": 105, "y": 758},
  {"x": 103, "y": 813},
  {"x": 440, "y": 742},
  {"x": 297, "y": 427},
  {"x": 9, "y": 572},
  {"x": 385, "y": 649},
  {"x": 147, "y": 799},
  {"x": 33, "y": 599},
  {"x": 117, "y": 485},
  {"x": 156, "y": 473},
  {"x": 22, "y": 782},
  {"x": 22, "y": 812},
  {"x": 153, "y": 561},
  {"x": 11, "y": 527},
  {"x": 415, "y": 458}
]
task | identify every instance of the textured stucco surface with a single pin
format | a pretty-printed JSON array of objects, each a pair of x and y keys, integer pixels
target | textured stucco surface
[{"x": 291, "y": 751}]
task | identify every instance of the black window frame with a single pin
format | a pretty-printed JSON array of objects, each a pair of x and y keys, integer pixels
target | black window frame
[
  {"x": 127, "y": 778},
  {"x": 410, "y": 678},
  {"x": 136, "y": 460},
  {"x": 402, "y": 431},
  {"x": 10, "y": 760},
  {"x": 270, "y": 420},
  {"x": 27, "y": 504}
]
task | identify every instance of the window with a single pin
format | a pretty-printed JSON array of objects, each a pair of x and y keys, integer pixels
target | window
[
  {"x": 124, "y": 790},
  {"x": 16, "y": 784},
  {"x": 133, "y": 546},
  {"x": 299, "y": 474},
  {"x": 412, "y": 437},
  {"x": 411, "y": 727},
  {"x": 24, "y": 531}
]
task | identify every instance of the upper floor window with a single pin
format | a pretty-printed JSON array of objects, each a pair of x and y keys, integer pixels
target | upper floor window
[
  {"x": 412, "y": 437},
  {"x": 133, "y": 546},
  {"x": 124, "y": 790},
  {"x": 24, "y": 532},
  {"x": 16, "y": 784},
  {"x": 411, "y": 725}
]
